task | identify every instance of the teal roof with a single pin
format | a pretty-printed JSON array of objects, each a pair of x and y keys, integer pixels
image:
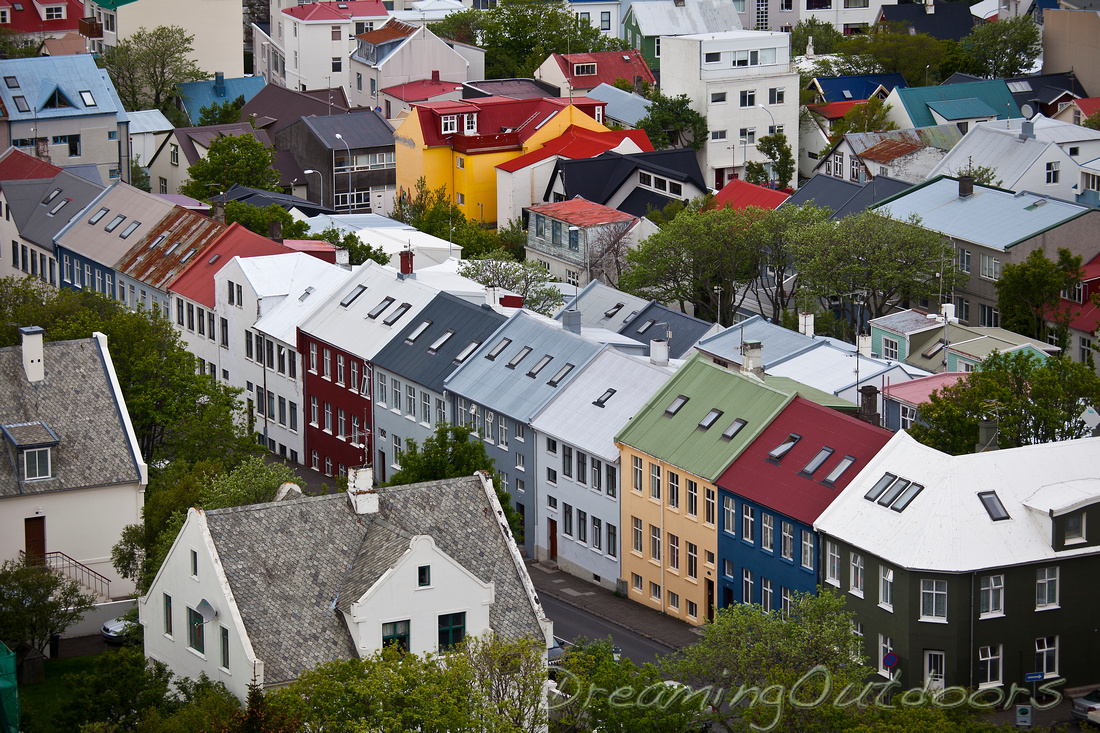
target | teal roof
[
  {"x": 199, "y": 94},
  {"x": 678, "y": 439},
  {"x": 993, "y": 93},
  {"x": 962, "y": 109}
]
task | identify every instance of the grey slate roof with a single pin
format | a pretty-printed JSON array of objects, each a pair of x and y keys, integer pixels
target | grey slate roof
[
  {"x": 289, "y": 562},
  {"x": 32, "y": 217},
  {"x": 596, "y": 300},
  {"x": 77, "y": 403},
  {"x": 597, "y": 179},
  {"x": 685, "y": 330},
  {"x": 367, "y": 129},
  {"x": 416, "y": 362}
]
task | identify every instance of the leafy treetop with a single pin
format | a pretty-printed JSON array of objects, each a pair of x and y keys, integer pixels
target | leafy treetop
[
  {"x": 527, "y": 279},
  {"x": 240, "y": 159},
  {"x": 672, "y": 123},
  {"x": 148, "y": 66}
]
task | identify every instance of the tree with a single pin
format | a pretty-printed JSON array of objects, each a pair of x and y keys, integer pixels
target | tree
[
  {"x": 148, "y": 66},
  {"x": 605, "y": 251},
  {"x": 526, "y": 279},
  {"x": 1034, "y": 400},
  {"x": 1092, "y": 121},
  {"x": 16, "y": 45},
  {"x": 982, "y": 174},
  {"x": 240, "y": 159},
  {"x": 139, "y": 177},
  {"x": 893, "y": 49},
  {"x": 779, "y": 170},
  {"x": 37, "y": 602},
  {"x": 871, "y": 116},
  {"x": 748, "y": 647},
  {"x": 1028, "y": 294},
  {"x": 433, "y": 212},
  {"x": 258, "y": 220},
  {"x": 358, "y": 251},
  {"x": 825, "y": 36},
  {"x": 777, "y": 281},
  {"x": 222, "y": 113},
  {"x": 672, "y": 123},
  {"x": 1005, "y": 48}
]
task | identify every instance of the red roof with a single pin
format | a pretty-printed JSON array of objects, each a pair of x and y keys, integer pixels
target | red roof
[
  {"x": 610, "y": 67},
  {"x": 197, "y": 281},
  {"x": 28, "y": 19},
  {"x": 1088, "y": 106},
  {"x": 781, "y": 486},
  {"x": 835, "y": 110},
  {"x": 496, "y": 115},
  {"x": 577, "y": 143},
  {"x": 916, "y": 391},
  {"x": 738, "y": 194},
  {"x": 338, "y": 10},
  {"x": 422, "y": 89},
  {"x": 15, "y": 165},
  {"x": 318, "y": 248},
  {"x": 582, "y": 212}
]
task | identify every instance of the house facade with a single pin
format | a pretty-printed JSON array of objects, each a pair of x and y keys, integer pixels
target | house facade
[
  {"x": 579, "y": 73},
  {"x": 646, "y": 21}
]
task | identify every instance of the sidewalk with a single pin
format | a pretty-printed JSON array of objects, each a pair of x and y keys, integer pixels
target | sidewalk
[{"x": 604, "y": 604}]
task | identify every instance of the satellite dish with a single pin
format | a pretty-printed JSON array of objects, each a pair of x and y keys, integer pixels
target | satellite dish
[
  {"x": 207, "y": 611},
  {"x": 1028, "y": 111}
]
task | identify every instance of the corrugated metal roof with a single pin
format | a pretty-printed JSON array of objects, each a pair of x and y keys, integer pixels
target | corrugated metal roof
[
  {"x": 199, "y": 94},
  {"x": 946, "y": 528},
  {"x": 857, "y": 86},
  {"x": 1046, "y": 129},
  {"x": 739, "y": 194},
  {"x": 834, "y": 370},
  {"x": 582, "y": 212},
  {"x": 366, "y": 129},
  {"x": 149, "y": 120},
  {"x": 306, "y": 282},
  {"x": 918, "y": 390},
  {"x": 610, "y": 67},
  {"x": 596, "y": 301},
  {"x": 626, "y": 107},
  {"x": 962, "y": 109},
  {"x": 157, "y": 262},
  {"x": 196, "y": 282},
  {"x": 32, "y": 217},
  {"x": 906, "y": 322},
  {"x": 1002, "y": 150},
  {"x": 663, "y": 18},
  {"x": 778, "y": 343},
  {"x": 994, "y": 92},
  {"x": 15, "y": 165},
  {"x": 888, "y": 150},
  {"x": 943, "y": 137},
  {"x": 38, "y": 78},
  {"x": 659, "y": 321}
]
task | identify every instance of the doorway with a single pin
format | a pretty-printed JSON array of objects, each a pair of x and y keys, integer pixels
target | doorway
[
  {"x": 380, "y": 467},
  {"x": 934, "y": 664},
  {"x": 552, "y": 537},
  {"x": 34, "y": 530},
  {"x": 710, "y": 599}
]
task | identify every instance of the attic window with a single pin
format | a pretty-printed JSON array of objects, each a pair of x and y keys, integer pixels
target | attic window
[
  {"x": 518, "y": 357},
  {"x": 17, "y": 6},
  {"x": 441, "y": 340},
  {"x": 465, "y": 353},
  {"x": 98, "y": 215},
  {"x": 540, "y": 365},
  {"x": 58, "y": 206},
  {"x": 12, "y": 82},
  {"x": 412, "y": 337},
  {"x": 21, "y": 104},
  {"x": 907, "y": 496},
  {"x": 52, "y": 195},
  {"x": 777, "y": 453},
  {"x": 157, "y": 241},
  {"x": 396, "y": 315},
  {"x": 847, "y": 94},
  {"x": 710, "y": 419},
  {"x": 815, "y": 463},
  {"x": 305, "y": 294},
  {"x": 584, "y": 69},
  {"x": 87, "y": 98},
  {"x": 377, "y": 310},
  {"x": 189, "y": 255},
  {"x": 839, "y": 470},
  {"x": 677, "y": 403},
  {"x": 130, "y": 229},
  {"x": 355, "y": 293},
  {"x": 495, "y": 351},
  {"x": 630, "y": 318},
  {"x": 213, "y": 259},
  {"x": 562, "y": 373},
  {"x": 113, "y": 225},
  {"x": 645, "y": 326},
  {"x": 993, "y": 505},
  {"x": 613, "y": 310},
  {"x": 894, "y": 492},
  {"x": 604, "y": 398},
  {"x": 173, "y": 248},
  {"x": 734, "y": 428}
]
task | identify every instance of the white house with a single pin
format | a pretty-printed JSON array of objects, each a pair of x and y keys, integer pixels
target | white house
[{"x": 354, "y": 571}]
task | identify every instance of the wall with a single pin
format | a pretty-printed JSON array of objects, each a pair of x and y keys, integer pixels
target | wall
[
  {"x": 161, "y": 166},
  {"x": 1071, "y": 42},
  {"x": 216, "y": 24},
  {"x": 95, "y": 146},
  {"x": 325, "y": 443},
  {"x": 391, "y": 418},
  {"x": 93, "y": 620}
]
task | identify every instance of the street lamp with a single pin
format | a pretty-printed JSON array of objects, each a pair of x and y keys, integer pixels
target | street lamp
[
  {"x": 345, "y": 142},
  {"x": 321, "y": 181}
]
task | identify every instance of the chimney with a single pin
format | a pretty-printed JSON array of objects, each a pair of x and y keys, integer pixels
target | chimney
[
  {"x": 966, "y": 187},
  {"x": 806, "y": 324},
  {"x": 219, "y": 84},
  {"x": 658, "y": 352},
  {"x": 32, "y": 353},
  {"x": 217, "y": 211},
  {"x": 492, "y": 299},
  {"x": 435, "y": 74},
  {"x": 868, "y": 404},
  {"x": 343, "y": 259},
  {"x": 752, "y": 363},
  {"x": 406, "y": 257},
  {"x": 362, "y": 496},
  {"x": 571, "y": 321},
  {"x": 275, "y": 230},
  {"x": 810, "y": 47},
  {"x": 863, "y": 345},
  {"x": 1027, "y": 130},
  {"x": 988, "y": 430},
  {"x": 947, "y": 310},
  {"x": 929, "y": 7}
]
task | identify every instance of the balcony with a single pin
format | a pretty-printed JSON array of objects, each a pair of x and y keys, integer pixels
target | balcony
[
  {"x": 485, "y": 143},
  {"x": 745, "y": 72},
  {"x": 90, "y": 28}
]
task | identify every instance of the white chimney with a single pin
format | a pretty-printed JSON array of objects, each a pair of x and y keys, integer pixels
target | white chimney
[
  {"x": 806, "y": 324},
  {"x": 571, "y": 321},
  {"x": 32, "y": 353},
  {"x": 947, "y": 310},
  {"x": 863, "y": 345},
  {"x": 929, "y": 7},
  {"x": 752, "y": 360},
  {"x": 491, "y": 298},
  {"x": 362, "y": 496},
  {"x": 658, "y": 352}
]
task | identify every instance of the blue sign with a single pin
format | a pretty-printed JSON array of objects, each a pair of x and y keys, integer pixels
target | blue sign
[
  {"x": 890, "y": 660},
  {"x": 1034, "y": 677}
]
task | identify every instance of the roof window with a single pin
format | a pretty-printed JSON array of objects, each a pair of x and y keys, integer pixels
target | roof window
[
  {"x": 21, "y": 104},
  {"x": 355, "y": 293},
  {"x": 645, "y": 326},
  {"x": 839, "y": 470},
  {"x": 677, "y": 403},
  {"x": 98, "y": 215},
  {"x": 396, "y": 315},
  {"x": 734, "y": 428},
  {"x": 113, "y": 225},
  {"x": 613, "y": 310},
  {"x": 604, "y": 398},
  {"x": 305, "y": 294},
  {"x": 438, "y": 343},
  {"x": 377, "y": 310},
  {"x": 12, "y": 82},
  {"x": 495, "y": 351},
  {"x": 540, "y": 365},
  {"x": 816, "y": 461},
  {"x": 710, "y": 419},
  {"x": 933, "y": 349},
  {"x": 87, "y": 98},
  {"x": 416, "y": 333},
  {"x": 893, "y": 491},
  {"x": 157, "y": 241},
  {"x": 130, "y": 229},
  {"x": 465, "y": 353},
  {"x": 518, "y": 357},
  {"x": 59, "y": 206},
  {"x": 190, "y": 253},
  {"x": 173, "y": 248},
  {"x": 630, "y": 317},
  {"x": 556, "y": 379},
  {"x": 993, "y": 505},
  {"x": 213, "y": 259},
  {"x": 51, "y": 196},
  {"x": 777, "y": 453}
]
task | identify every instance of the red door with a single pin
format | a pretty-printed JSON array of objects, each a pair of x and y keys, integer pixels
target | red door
[{"x": 35, "y": 531}]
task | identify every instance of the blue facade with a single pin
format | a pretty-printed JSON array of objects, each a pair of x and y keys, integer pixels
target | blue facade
[{"x": 78, "y": 272}]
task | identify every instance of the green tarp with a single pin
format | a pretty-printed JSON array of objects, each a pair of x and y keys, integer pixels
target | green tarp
[{"x": 9, "y": 692}]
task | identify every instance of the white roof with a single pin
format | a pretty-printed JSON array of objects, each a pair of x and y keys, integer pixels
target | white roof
[
  {"x": 289, "y": 275},
  {"x": 662, "y": 18},
  {"x": 571, "y": 416},
  {"x": 1055, "y": 131},
  {"x": 1000, "y": 149},
  {"x": 445, "y": 277},
  {"x": 833, "y": 370},
  {"x": 389, "y": 234},
  {"x": 148, "y": 120},
  {"x": 946, "y": 528}
]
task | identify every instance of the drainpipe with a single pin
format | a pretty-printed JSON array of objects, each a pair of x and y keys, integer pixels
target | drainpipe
[{"x": 971, "y": 665}]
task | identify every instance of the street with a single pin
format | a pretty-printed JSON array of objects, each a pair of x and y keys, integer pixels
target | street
[{"x": 571, "y": 623}]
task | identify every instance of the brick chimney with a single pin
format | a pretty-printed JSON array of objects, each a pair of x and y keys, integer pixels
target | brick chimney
[
  {"x": 435, "y": 74},
  {"x": 406, "y": 258},
  {"x": 868, "y": 404},
  {"x": 752, "y": 359},
  {"x": 275, "y": 230},
  {"x": 217, "y": 211},
  {"x": 32, "y": 353},
  {"x": 966, "y": 187}
]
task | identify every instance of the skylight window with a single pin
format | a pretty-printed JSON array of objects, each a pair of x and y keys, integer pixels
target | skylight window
[
  {"x": 396, "y": 315},
  {"x": 710, "y": 419},
  {"x": 495, "y": 351},
  {"x": 907, "y": 496},
  {"x": 777, "y": 453},
  {"x": 305, "y": 294},
  {"x": 213, "y": 259},
  {"x": 604, "y": 398},
  {"x": 891, "y": 494},
  {"x": 993, "y": 505},
  {"x": 130, "y": 229},
  {"x": 933, "y": 349},
  {"x": 893, "y": 491},
  {"x": 173, "y": 248},
  {"x": 355, "y": 293},
  {"x": 734, "y": 428},
  {"x": 613, "y": 310},
  {"x": 189, "y": 255},
  {"x": 21, "y": 104},
  {"x": 114, "y": 223},
  {"x": 412, "y": 337},
  {"x": 880, "y": 486},
  {"x": 538, "y": 367},
  {"x": 630, "y": 318},
  {"x": 444, "y": 338},
  {"x": 157, "y": 241},
  {"x": 98, "y": 215},
  {"x": 51, "y": 196},
  {"x": 556, "y": 379},
  {"x": 59, "y": 206},
  {"x": 816, "y": 461},
  {"x": 12, "y": 82},
  {"x": 87, "y": 98},
  {"x": 465, "y": 353},
  {"x": 839, "y": 469},
  {"x": 518, "y": 357},
  {"x": 677, "y": 403},
  {"x": 377, "y": 310},
  {"x": 645, "y": 326}
]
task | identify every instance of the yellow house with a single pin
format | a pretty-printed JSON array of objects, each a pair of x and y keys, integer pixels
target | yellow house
[{"x": 458, "y": 144}]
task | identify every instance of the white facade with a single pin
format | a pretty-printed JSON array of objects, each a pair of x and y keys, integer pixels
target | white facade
[
  {"x": 744, "y": 84},
  {"x": 847, "y": 16},
  {"x": 603, "y": 15},
  {"x": 317, "y": 51},
  {"x": 417, "y": 56}
]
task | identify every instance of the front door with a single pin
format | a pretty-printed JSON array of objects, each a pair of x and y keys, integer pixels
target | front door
[
  {"x": 34, "y": 529},
  {"x": 552, "y": 534},
  {"x": 934, "y": 664},
  {"x": 380, "y": 467},
  {"x": 710, "y": 599}
]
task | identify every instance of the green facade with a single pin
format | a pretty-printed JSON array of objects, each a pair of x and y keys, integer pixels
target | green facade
[{"x": 646, "y": 44}]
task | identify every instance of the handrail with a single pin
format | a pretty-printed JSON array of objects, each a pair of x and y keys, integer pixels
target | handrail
[{"x": 61, "y": 563}]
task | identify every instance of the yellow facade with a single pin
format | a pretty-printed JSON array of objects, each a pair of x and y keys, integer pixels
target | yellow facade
[
  {"x": 470, "y": 178},
  {"x": 673, "y": 513}
]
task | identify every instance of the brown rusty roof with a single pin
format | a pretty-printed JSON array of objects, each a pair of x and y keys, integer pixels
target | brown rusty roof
[
  {"x": 888, "y": 150},
  {"x": 390, "y": 31},
  {"x": 157, "y": 260}
]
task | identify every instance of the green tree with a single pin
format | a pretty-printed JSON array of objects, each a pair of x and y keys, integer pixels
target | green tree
[
  {"x": 825, "y": 36},
  {"x": 527, "y": 279},
  {"x": 232, "y": 159},
  {"x": 1092, "y": 121},
  {"x": 1005, "y": 48},
  {"x": 358, "y": 250},
  {"x": 222, "y": 113},
  {"x": 463, "y": 26},
  {"x": 982, "y": 174},
  {"x": 258, "y": 220},
  {"x": 15, "y": 45},
  {"x": 1035, "y": 400},
  {"x": 433, "y": 212},
  {"x": 672, "y": 123},
  {"x": 148, "y": 66},
  {"x": 871, "y": 116},
  {"x": 776, "y": 285},
  {"x": 1029, "y": 294},
  {"x": 35, "y": 603},
  {"x": 779, "y": 170},
  {"x": 893, "y": 49},
  {"x": 139, "y": 177}
]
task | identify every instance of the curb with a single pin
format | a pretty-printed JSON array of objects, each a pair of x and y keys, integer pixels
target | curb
[{"x": 610, "y": 620}]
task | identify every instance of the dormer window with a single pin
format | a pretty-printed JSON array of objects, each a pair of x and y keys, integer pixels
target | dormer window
[
  {"x": 55, "y": 12},
  {"x": 1075, "y": 528},
  {"x": 36, "y": 464},
  {"x": 584, "y": 69},
  {"x": 471, "y": 123},
  {"x": 34, "y": 442},
  {"x": 450, "y": 124}
]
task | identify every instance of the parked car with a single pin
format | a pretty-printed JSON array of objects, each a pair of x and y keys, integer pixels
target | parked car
[
  {"x": 114, "y": 631},
  {"x": 1082, "y": 706}
]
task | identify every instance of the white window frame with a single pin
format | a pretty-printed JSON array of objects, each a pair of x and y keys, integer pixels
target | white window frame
[
  {"x": 991, "y": 595},
  {"x": 889, "y": 348},
  {"x": 807, "y": 550},
  {"x": 933, "y": 600},
  {"x": 832, "y": 566},
  {"x": 855, "y": 574},
  {"x": 1045, "y": 580},
  {"x": 990, "y": 655},
  {"x": 886, "y": 588}
]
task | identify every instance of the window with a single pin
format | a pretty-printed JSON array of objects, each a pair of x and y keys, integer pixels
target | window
[
  {"x": 964, "y": 259},
  {"x": 655, "y": 543},
  {"x": 692, "y": 498},
  {"x": 1046, "y": 655},
  {"x": 674, "y": 490},
  {"x": 167, "y": 615},
  {"x": 584, "y": 69},
  {"x": 377, "y": 310},
  {"x": 885, "y": 646},
  {"x": 605, "y": 21},
  {"x": 748, "y": 98},
  {"x": 990, "y": 267},
  {"x": 452, "y": 630},
  {"x": 450, "y": 124},
  {"x": 396, "y": 633},
  {"x": 886, "y": 588},
  {"x": 674, "y": 601},
  {"x": 1053, "y": 172},
  {"x": 816, "y": 461},
  {"x": 312, "y": 410},
  {"x": 636, "y": 534},
  {"x": 832, "y": 566},
  {"x": 777, "y": 95},
  {"x": 693, "y": 607},
  {"x": 933, "y": 600},
  {"x": 313, "y": 358},
  {"x": 673, "y": 551},
  {"x": 655, "y": 591},
  {"x": 729, "y": 514},
  {"x": 654, "y": 481},
  {"x": 294, "y": 417},
  {"x": 174, "y": 154},
  {"x": 767, "y": 532},
  {"x": 717, "y": 134},
  {"x": 992, "y": 596},
  {"x": 747, "y": 135},
  {"x": 36, "y": 464},
  {"x": 195, "y": 633},
  {"x": 1046, "y": 588},
  {"x": 225, "y": 647},
  {"x": 889, "y": 348},
  {"x": 410, "y": 401},
  {"x": 989, "y": 665},
  {"x": 777, "y": 453},
  {"x": 582, "y": 468},
  {"x": 636, "y": 582},
  {"x": 396, "y": 453},
  {"x": 993, "y": 505},
  {"x": 988, "y": 316},
  {"x": 748, "y": 523},
  {"x": 582, "y": 526},
  {"x": 807, "y": 550},
  {"x": 855, "y": 576},
  {"x": 675, "y": 405},
  {"x": 710, "y": 507},
  {"x": 693, "y": 560},
  {"x": 717, "y": 97},
  {"x": 787, "y": 547},
  {"x": 566, "y": 460},
  {"x": 786, "y": 600}
]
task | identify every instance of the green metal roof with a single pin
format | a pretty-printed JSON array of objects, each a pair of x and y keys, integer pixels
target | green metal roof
[
  {"x": 993, "y": 92},
  {"x": 113, "y": 4},
  {"x": 962, "y": 109},
  {"x": 679, "y": 439}
]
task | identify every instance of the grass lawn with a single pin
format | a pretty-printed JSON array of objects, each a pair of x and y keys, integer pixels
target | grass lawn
[{"x": 38, "y": 702}]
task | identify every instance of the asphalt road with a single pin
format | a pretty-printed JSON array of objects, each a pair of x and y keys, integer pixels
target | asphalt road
[{"x": 571, "y": 622}]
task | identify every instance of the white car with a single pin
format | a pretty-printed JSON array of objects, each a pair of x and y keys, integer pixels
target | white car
[{"x": 114, "y": 631}]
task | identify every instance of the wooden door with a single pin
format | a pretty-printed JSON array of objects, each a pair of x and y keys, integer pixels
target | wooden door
[{"x": 35, "y": 531}]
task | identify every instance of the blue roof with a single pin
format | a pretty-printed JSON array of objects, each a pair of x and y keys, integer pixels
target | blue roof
[
  {"x": 993, "y": 92},
  {"x": 858, "y": 86},
  {"x": 82, "y": 89},
  {"x": 962, "y": 109},
  {"x": 198, "y": 94}
]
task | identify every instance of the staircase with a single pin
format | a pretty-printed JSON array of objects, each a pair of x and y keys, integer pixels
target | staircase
[{"x": 61, "y": 563}]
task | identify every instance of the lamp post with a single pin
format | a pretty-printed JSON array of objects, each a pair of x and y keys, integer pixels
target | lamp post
[
  {"x": 321, "y": 181},
  {"x": 774, "y": 129},
  {"x": 345, "y": 142}
]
